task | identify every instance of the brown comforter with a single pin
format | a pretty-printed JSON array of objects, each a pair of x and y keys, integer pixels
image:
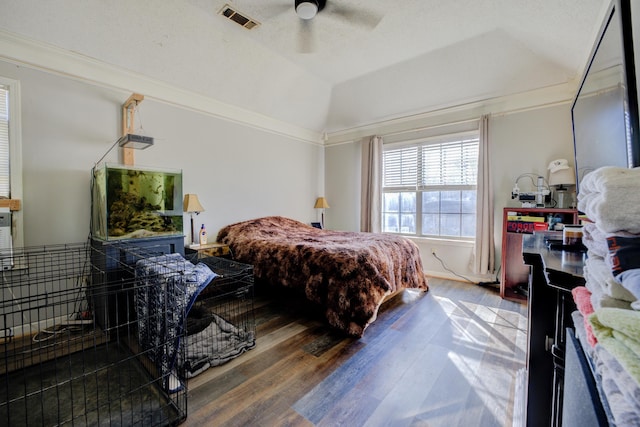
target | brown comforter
[{"x": 348, "y": 274}]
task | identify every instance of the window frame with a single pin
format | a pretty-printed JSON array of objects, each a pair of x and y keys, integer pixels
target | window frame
[
  {"x": 15, "y": 157},
  {"x": 420, "y": 189}
]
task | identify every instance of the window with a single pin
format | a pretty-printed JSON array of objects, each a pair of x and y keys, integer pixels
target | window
[
  {"x": 5, "y": 190},
  {"x": 429, "y": 187}
]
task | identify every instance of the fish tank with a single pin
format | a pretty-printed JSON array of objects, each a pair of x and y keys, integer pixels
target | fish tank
[{"x": 134, "y": 202}]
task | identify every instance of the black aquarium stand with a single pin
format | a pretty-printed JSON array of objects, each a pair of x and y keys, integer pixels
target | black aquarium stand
[{"x": 108, "y": 258}]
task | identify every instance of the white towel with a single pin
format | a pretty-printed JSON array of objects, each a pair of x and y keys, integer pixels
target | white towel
[
  {"x": 609, "y": 177},
  {"x": 594, "y": 239},
  {"x": 610, "y": 196},
  {"x": 599, "y": 299},
  {"x": 621, "y": 390},
  {"x": 596, "y": 271}
]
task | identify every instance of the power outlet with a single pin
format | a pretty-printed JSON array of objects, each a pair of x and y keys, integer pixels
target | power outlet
[{"x": 433, "y": 251}]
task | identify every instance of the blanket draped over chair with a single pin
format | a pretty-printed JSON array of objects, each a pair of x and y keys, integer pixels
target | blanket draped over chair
[{"x": 348, "y": 274}]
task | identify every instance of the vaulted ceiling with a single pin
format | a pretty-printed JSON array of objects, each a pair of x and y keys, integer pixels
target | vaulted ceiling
[{"x": 356, "y": 63}]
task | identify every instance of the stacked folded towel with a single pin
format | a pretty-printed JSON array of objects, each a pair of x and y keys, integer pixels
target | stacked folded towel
[
  {"x": 605, "y": 289},
  {"x": 617, "y": 361},
  {"x": 579, "y": 323},
  {"x": 610, "y": 198},
  {"x": 599, "y": 279},
  {"x": 594, "y": 239},
  {"x": 582, "y": 297},
  {"x": 622, "y": 391},
  {"x": 624, "y": 263},
  {"x": 618, "y": 330}
]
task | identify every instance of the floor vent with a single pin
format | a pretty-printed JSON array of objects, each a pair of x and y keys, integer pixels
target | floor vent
[{"x": 238, "y": 18}]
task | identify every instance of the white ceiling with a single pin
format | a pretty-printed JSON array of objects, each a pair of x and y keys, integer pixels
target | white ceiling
[{"x": 389, "y": 59}]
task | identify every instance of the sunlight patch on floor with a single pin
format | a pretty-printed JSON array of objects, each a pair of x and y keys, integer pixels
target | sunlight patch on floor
[
  {"x": 492, "y": 382},
  {"x": 411, "y": 295}
]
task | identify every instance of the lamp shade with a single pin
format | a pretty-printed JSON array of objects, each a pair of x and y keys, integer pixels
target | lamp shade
[
  {"x": 192, "y": 204},
  {"x": 562, "y": 177},
  {"x": 321, "y": 203}
]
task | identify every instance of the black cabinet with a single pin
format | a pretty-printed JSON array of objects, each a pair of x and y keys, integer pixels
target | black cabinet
[
  {"x": 553, "y": 274},
  {"x": 581, "y": 406}
]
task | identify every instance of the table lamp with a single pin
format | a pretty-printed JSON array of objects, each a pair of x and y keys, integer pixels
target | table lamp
[
  {"x": 321, "y": 203},
  {"x": 192, "y": 205},
  {"x": 561, "y": 176}
]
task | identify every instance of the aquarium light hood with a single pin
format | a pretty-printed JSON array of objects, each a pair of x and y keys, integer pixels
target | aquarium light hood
[
  {"x": 137, "y": 142},
  {"x": 130, "y": 140}
]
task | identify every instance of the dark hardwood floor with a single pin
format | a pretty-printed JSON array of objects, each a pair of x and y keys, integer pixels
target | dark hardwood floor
[{"x": 445, "y": 358}]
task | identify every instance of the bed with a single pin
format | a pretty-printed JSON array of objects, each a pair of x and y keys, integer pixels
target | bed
[{"x": 347, "y": 274}]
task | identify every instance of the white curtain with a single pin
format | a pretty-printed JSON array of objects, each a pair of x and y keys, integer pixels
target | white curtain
[
  {"x": 371, "y": 192},
  {"x": 484, "y": 253}
]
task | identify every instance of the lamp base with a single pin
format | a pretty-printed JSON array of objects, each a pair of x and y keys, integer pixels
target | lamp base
[
  {"x": 563, "y": 199},
  {"x": 193, "y": 240}
]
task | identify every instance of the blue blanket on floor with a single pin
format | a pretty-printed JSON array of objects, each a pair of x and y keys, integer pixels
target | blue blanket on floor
[{"x": 166, "y": 288}]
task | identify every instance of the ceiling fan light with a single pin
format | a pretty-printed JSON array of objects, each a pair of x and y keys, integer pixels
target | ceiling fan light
[{"x": 307, "y": 9}]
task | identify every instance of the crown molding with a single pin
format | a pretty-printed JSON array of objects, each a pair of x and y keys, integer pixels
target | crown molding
[
  {"x": 468, "y": 110},
  {"x": 22, "y": 51}
]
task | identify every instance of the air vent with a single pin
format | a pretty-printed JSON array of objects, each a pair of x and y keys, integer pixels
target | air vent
[{"x": 238, "y": 17}]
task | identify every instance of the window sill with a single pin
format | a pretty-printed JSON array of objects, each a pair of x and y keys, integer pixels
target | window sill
[{"x": 441, "y": 241}]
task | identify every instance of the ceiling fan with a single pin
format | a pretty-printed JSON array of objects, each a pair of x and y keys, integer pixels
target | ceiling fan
[{"x": 307, "y": 10}]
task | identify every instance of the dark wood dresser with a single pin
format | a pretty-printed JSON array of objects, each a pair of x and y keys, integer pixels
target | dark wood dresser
[{"x": 553, "y": 274}]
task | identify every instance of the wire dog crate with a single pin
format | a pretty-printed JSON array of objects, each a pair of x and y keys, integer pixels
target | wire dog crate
[
  {"x": 221, "y": 322},
  {"x": 61, "y": 366}
]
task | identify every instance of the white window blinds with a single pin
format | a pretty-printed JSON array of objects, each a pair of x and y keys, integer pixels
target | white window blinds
[
  {"x": 400, "y": 167},
  {"x": 4, "y": 143},
  {"x": 450, "y": 163},
  {"x": 431, "y": 164}
]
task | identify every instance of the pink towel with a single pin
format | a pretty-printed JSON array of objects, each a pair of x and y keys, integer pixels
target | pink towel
[{"x": 582, "y": 298}]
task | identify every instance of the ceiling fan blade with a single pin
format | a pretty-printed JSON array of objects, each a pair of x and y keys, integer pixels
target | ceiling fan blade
[
  {"x": 306, "y": 42},
  {"x": 353, "y": 15},
  {"x": 275, "y": 10}
]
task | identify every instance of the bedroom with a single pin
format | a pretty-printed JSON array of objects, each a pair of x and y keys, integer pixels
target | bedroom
[{"x": 258, "y": 156}]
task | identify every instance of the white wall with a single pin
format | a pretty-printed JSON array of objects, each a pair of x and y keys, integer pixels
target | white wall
[
  {"x": 522, "y": 142},
  {"x": 237, "y": 171},
  {"x": 526, "y": 143},
  {"x": 342, "y": 181}
]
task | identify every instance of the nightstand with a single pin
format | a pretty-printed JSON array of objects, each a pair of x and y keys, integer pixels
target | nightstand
[{"x": 208, "y": 250}]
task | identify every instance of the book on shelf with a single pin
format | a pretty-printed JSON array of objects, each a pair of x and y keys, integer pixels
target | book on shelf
[
  {"x": 525, "y": 218},
  {"x": 527, "y": 227}
]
